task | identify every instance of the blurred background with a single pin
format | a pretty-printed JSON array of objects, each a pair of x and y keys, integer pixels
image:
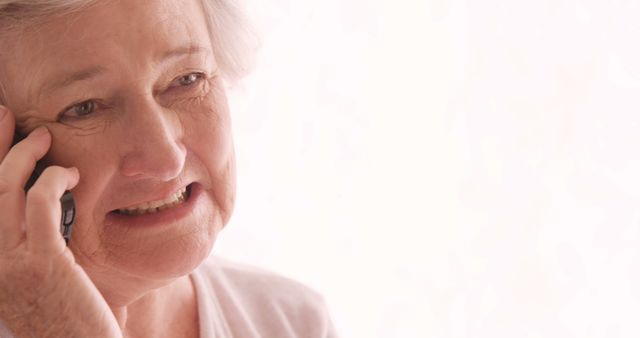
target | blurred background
[{"x": 446, "y": 168}]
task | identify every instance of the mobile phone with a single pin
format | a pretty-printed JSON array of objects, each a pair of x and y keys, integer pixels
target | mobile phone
[{"x": 67, "y": 204}]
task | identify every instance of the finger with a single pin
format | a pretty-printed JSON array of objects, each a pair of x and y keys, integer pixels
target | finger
[
  {"x": 43, "y": 210},
  {"x": 12, "y": 224},
  {"x": 15, "y": 169},
  {"x": 7, "y": 127},
  {"x": 18, "y": 164}
]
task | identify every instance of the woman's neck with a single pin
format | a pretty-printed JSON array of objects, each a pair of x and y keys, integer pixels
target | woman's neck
[{"x": 169, "y": 311}]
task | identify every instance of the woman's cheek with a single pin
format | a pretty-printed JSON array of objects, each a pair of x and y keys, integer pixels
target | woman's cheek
[
  {"x": 208, "y": 136},
  {"x": 73, "y": 147},
  {"x": 206, "y": 120}
]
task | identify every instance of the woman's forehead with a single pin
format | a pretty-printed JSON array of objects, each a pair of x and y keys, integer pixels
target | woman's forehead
[
  {"x": 135, "y": 34},
  {"x": 94, "y": 30}
]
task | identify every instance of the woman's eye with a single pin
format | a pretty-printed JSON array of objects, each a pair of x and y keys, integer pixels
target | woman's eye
[
  {"x": 81, "y": 109},
  {"x": 189, "y": 79}
]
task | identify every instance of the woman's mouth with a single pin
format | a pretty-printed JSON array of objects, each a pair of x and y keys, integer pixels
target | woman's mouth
[
  {"x": 178, "y": 198},
  {"x": 156, "y": 206},
  {"x": 168, "y": 211}
]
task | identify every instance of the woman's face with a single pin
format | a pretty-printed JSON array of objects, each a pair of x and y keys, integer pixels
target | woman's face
[{"x": 131, "y": 95}]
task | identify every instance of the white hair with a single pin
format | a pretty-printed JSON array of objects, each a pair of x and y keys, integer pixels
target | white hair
[{"x": 233, "y": 40}]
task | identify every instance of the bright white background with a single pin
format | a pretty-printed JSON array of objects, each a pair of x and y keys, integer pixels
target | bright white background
[{"x": 441, "y": 168}]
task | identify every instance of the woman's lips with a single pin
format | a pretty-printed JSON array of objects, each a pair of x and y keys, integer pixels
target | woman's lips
[{"x": 161, "y": 217}]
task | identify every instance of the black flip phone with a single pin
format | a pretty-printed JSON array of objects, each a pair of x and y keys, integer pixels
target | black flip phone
[{"x": 67, "y": 204}]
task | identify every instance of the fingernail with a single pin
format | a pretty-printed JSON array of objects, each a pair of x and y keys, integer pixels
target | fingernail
[
  {"x": 74, "y": 172},
  {"x": 40, "y": 131},
  {"x": 75, "y": 175},
  {"x": 3, "y": 112}
]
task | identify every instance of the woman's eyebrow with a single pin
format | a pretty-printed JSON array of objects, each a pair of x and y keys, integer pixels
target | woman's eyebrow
[
  {"x": 81, "y": 75},
  {"x": 181, "y": 51}
]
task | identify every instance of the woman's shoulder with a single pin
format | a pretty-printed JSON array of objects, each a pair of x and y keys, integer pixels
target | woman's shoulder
[
  {"x": 253, "y": 279},
  {"x": 251, "y": 298}
]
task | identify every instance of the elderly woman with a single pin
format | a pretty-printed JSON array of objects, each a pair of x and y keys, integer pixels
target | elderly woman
[{"x": 123, "y": 103}]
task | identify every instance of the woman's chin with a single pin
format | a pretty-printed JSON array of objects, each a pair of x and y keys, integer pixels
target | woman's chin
[{"x": 172, "y": 260}]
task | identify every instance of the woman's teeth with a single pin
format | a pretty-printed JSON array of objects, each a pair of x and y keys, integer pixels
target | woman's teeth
[{"x": 153, "y": 207}]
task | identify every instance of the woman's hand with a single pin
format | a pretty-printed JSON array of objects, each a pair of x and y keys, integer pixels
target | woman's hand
[{"x": 43, "y": 292}]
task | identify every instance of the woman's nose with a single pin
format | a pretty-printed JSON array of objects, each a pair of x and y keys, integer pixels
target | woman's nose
[{"x": 152, "y": 141}]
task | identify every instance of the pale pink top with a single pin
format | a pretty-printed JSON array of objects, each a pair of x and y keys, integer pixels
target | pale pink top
[
  {"x": 238, "y": 301},
  {"x": 245, "y": 302}
]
